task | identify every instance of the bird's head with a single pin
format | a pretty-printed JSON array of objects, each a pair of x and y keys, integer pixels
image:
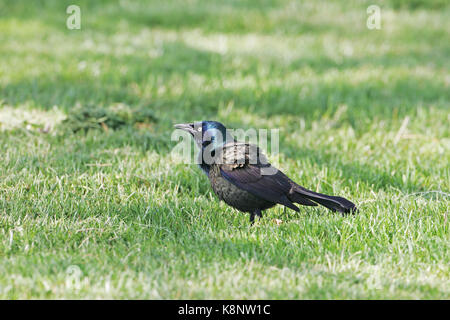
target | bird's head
[{"x": 206, "y": 133}]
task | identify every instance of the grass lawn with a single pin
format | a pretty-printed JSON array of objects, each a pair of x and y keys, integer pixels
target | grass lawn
[{"x": 107, "y": 211}]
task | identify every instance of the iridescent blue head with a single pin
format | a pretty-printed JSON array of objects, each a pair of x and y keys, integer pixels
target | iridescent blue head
[{"x": 210, "y": 134}]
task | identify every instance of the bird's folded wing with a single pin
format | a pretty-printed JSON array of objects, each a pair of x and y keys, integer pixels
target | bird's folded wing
[
  {"x": 237, "y": 154},
  {"x": 242, "y": 165}
]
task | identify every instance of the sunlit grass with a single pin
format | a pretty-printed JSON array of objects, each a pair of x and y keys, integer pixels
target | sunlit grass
[{"x": 363, "y": 114}]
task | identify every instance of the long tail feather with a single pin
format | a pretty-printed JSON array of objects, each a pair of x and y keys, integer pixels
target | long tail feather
[{"x": 331, "y": 202}]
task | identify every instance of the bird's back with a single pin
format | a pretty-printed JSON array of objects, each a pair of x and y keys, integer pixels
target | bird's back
[{"x": 235, "y": 156}]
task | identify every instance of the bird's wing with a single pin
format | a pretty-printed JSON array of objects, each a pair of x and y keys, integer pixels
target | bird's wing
[{"x": 247, "y": 167}]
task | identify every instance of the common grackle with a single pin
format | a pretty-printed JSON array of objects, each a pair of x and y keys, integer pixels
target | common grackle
[{"x": 241, "y": 175}]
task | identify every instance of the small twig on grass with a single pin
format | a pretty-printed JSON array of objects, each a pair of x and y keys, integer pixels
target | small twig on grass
[
  {"x": 98, "y": 164},
  {"x": 402, "y": 130}
]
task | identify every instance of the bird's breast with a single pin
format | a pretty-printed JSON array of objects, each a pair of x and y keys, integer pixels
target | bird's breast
[{"x": 233, "y": 195}]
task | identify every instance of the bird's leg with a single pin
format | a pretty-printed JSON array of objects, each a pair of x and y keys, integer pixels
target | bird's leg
[
  {"x": 258, "y": 213},
  {"x": 252, "y": 218}
]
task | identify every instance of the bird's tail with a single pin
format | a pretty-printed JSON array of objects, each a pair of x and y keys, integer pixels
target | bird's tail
[{"x": 331, "y": 202}]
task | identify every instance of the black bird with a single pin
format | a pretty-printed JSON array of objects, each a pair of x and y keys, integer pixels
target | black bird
[{"x": 241, "y": 176}]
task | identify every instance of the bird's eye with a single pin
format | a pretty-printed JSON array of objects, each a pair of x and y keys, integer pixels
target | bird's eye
[{"x": 199, "y": 129}]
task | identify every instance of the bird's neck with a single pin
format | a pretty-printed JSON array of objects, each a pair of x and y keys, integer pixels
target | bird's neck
[
  {"x": 209, "y": 152},
  {"x": 214, "y": 145},
  {"x": 202, "y": 164}
]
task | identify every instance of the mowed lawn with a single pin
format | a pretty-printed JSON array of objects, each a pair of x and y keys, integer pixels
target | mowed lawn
[{"x": 94, "y": 203}]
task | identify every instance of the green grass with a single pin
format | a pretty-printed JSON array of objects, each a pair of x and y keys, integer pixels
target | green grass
[{"x": 362, "y": 113}]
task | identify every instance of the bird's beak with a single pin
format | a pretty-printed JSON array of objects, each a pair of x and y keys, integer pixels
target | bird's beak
[{"x": 189, "y": 127}]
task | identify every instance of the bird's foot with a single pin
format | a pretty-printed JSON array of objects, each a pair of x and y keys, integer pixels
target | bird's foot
[{"x": 256, "y": 213}]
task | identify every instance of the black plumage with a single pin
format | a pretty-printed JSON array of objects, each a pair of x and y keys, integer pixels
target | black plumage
[{"x": 241, "y": 176}]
